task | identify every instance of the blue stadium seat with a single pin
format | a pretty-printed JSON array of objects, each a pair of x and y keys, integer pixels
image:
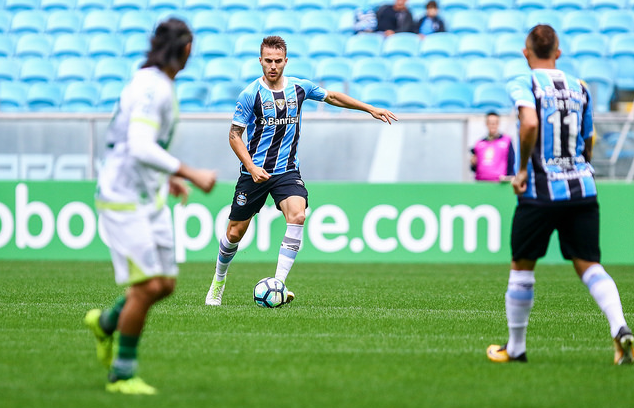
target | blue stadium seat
[
  {"x": 109, "y": 95},
  {"x": 379, "y": 94},
  {"x": 300, "y": 68},
  {"x": 569, "y": 5},
  {"x": 405, "y": 70},
  {"x": 105, "y": 45},
  {"x": 307, "y": 5},
  {"x": 368, "y": 70},
  {"x": 468, "y": 22},
  {"x": 69, "y": 45},
  {"x": 318, "y": 22},
  {"x": 453, "y": 97},
  {"x": 491, "y": 97},
  {"x": 159, "y": 6},
  {"x": 550, "y": 17},
  {"x": 326, "y": 45},
  {"x": 62, "y": 22},
  {"x": 224, "y": 96},
  {"x": 613, "y": 22},
  {"x": 602, "y": 5},
  {"x": 530, "y": 5},
  {"x": 330, "y": 70},
  {"x": 214, "y": 45},
  {"x": 222, "y": 69},
  {"x": 248, "y": 46},
  {"x": 136, "y": 45},
  {"x": 80, "y": 97},
  {"x": 363, "y": 45},
  {"x": 588, "y": 45},
  {"x": 208, "y": 21},
  {"x": 296, "y": 45},
  {"x": 100, "y": 21},
  {"x": 345, "y": 5},
  {"x": 509, "y": 46},
  {"x": 33, "y": 45},
  {"x": 192, "y": 72},
  {"x": 579, "y": 22},
  {"x": 489, "y": 6},
  {"x": 445, "y": 70},
  {"x": 599, "y": 75},
  {"x": 439, "y": 45},
  {"x": 15, "y": 6},
  {"x": 111, "y": 69},
  {"x": 280, "y": 23},
  {"x": 621, "y": 47},
  {"x": 483, "y": 70},
  {"x": 123, "y": 6},
  {"x": 515, "y": 67},
  {"x": 273, "y": 5},
  {"x": 506, "y": 21},
  {"x": 625, "y": 74},
  {"x": 184, "y": 15},
  {"x": 136, "y": 21},
  {"x": 12, "y": 96},
  {"x": 7, "y": 47},
  {"x": 244, "y": 22},
  {"x": 44, "y": 97},
  {"x": 5, "y": 21},
  {"x": 251, "y": 70},
  {"x": 401, "y": 45},
  {"x": 236, "y": 5},
  {"x": 454, "y": 5},
  {"x": 199, "y": 5},
  {"x": 346, "y": 23},
  {"x": 414, "y": 97},
  {"x": 74, "y": 69},
  {"x": 55, "y": 5},
  {"x": 192, "y": 96},
  {"x": 567, "y": 64},
  {"x": 9, "y": 69},
  {"x": 86, "y": 6},
  {"x": 475, "y": 46},
  {"x": 28, "y": 21}
]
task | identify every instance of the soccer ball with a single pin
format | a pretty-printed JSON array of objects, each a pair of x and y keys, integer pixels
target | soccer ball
[{"x": 270, "y": 292}]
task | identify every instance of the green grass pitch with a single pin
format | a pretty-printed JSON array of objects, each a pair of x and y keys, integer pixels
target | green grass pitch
[{"x": 371, "y": 335}]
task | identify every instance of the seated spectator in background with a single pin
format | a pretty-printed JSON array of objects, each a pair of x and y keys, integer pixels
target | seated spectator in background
[
  {"x": 365, "y": 20},
  {"x": 493, "y": 158},
  {"x": 395, "y": 18},
  {"x": 430, "y": 23}
]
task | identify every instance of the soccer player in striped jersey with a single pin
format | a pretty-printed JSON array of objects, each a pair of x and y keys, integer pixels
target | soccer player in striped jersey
[
  {"x": 556, "y": 191},
  {"x": 133, "y": 185},
  {"x": 269, "y": 109}
]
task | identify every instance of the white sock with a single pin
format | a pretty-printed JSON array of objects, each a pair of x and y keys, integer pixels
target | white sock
[
  {"x": 604, "y": 291},
  {"x": 288, "y": 250},
  {"x": 226, "y": 252},
  {"x": 519, "y": 302}
]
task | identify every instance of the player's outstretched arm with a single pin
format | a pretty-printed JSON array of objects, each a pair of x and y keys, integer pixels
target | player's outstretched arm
[
  {"x": 345, "y": 101},
  {"x": 240, "y": 149},
  {"x": 204, "y": 179}
]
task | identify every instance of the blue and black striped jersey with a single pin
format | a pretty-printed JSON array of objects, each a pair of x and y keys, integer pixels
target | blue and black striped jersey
[
  {"x": 557, "y": 169},
  {"x": 273, "y": 121}
]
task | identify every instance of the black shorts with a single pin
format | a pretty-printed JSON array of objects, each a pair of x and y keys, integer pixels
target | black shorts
[
  {"x": 250, "y": 196},
  {"x": 577, "y": 225}
]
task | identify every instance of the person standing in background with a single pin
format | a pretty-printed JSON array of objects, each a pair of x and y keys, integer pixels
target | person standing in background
[{"x": 493, "y": 157}]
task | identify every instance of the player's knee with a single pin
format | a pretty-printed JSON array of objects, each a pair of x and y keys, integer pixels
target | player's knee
[
  {"x": 298, "y": 219},
  {"x": 157, "y": 288}
]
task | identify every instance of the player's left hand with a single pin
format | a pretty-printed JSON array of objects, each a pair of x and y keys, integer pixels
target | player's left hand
[
  {"x": 383, "y": 115},
  {"x": 178, "y": 188},
  {"x": 519, "y": 182}
]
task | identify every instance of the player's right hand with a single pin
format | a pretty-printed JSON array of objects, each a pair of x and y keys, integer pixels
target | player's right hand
[{"x": 260, "y": 175}]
